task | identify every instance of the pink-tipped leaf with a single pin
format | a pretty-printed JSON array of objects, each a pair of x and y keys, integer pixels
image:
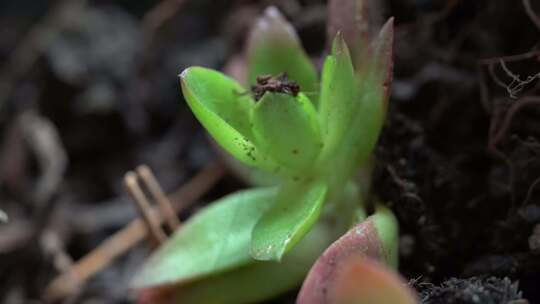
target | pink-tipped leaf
[
  {"x": 383, "y": 50},
  {"x": 360, "y": 279},
  {"x": 350, "y": 18},
  {"x": 345, "y": 274}
]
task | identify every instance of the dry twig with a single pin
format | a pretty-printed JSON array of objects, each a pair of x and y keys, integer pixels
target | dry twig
[
  {"x": 150, "y": 181},
  {"x": 116, "y": 245},
  {"x": 156, "y": 234}
]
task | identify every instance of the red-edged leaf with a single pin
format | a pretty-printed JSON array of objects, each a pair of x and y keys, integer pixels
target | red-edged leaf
[
  {"x": 357, "y": 21},
  {"x": 375, "y": 238},
  {"x": 350, "y": 18},
  {"x": 359, "y": 279},
  {"x": 383, "y": 51}
]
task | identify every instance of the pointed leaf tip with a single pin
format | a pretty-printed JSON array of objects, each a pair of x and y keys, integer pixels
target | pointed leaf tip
[
  {"x": 350, "y": 17},
  {"x": 274, "y": 47},
  {"x": 339, "y": 98},
  {"x": 339, "y": 45},
  {"x": 361, "y": 108},
  {"x": 184, "y": 73},
  {"x": 383, "y": 50},
  {"x": 272, "y": 19},
  {"x": 273, "y": 14},
  {"x": 384, "y": 44}
]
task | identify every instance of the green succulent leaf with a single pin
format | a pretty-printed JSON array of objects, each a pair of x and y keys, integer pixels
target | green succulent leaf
[
  {"x": 297, "y": 208},
  {"x": 223, "y": 108},
  {"x": 386, "y": 225},
  {"x": 339, "y": 98},
  {"x": 353, "y": 106},
  {"x": 374, "y": 83},
  {"x": 214, "y": 240},
  {"x": 286, "y": 128},
  {"x": 251, "y": 176},
  {"x": 274, "y": 48},
  {"x": 258, "y": 281}
]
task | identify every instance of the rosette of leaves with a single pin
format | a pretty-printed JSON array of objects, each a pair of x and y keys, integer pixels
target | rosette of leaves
[{"x": 256, "y": 243}]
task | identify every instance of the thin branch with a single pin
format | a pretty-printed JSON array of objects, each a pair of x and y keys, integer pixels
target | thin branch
[
  {"x": 157, "y": 236},
  {"x": 514, "y": 109},
  {"x": 165, "y": 206},
  {"x": 516, "y": 85},
  {"x": 530, "y": 12},
  {"x": 123, "y": 240},
  {"x": 116, "y": 245},
  {"x": 511, "y": 58},
  {"x": 496, "y": 79},
  {"x": 510, "y": 74}
]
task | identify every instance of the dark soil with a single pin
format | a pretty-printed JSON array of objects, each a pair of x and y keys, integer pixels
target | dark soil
[
  {"x": 473, "y": 290},
  {"x": 459, "y": 160}
]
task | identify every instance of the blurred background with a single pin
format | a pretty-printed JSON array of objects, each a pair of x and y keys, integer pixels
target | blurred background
[{"x": 89, "y": 90}]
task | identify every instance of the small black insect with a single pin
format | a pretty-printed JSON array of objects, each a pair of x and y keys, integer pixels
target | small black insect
[{"x": 278, "y": 84}]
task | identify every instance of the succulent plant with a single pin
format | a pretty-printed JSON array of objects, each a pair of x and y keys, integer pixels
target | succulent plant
[{"x": 313, "y": 134}]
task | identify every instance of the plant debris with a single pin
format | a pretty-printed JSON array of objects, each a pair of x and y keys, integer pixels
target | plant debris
[{"x": 277, "y": 84}]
